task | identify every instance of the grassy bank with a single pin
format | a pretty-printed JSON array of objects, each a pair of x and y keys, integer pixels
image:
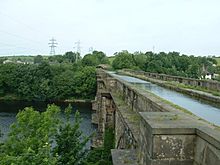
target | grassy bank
[{"x": 180, "y": 85}]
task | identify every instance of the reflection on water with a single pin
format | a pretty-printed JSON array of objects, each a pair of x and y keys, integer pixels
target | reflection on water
[
  {"x": 204, "y": 110},
  {"x": 8, "y": 111}
]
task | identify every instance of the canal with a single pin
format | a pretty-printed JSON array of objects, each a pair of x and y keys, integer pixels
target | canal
[{"x": 200, "y": 108}]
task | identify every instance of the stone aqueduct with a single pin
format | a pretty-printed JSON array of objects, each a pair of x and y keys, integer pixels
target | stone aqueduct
[{"x": 149, "y": 131}]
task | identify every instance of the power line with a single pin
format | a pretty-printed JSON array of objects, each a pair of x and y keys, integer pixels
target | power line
[
  {"x": 9, "y": 46},
  {"x": 18, "y": 21},
  {"x": 6, "y": 44},
  {"x": 52, "y": 45},
  {"x": 18, "y": 36},
  {"x": 19, "y": 48}
]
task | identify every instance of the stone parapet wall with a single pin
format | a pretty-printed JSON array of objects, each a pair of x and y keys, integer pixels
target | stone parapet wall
[
  {"x": 173, "y": 138},
  {"x": 157, "y": 132},
  {"x": 208, "y": 84},
  {"x": 124, "y": 138},
  {"x": 206, "y": 153}
]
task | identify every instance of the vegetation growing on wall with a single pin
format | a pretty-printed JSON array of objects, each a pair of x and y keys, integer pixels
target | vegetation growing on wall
[{"x": 102, "y": 155}]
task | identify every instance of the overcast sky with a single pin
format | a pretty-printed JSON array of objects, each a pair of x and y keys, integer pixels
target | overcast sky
[{"x": 186, "y": 26}]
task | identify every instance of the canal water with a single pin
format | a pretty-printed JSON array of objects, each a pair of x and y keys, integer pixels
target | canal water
[
  {"x": 204, "y": 110},
  {"x": 9, "y": 109}
]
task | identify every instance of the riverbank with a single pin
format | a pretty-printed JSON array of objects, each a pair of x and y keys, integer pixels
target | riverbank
[
  {"x": 11, "y": 97},
  {"x": 78, "y": 101}
]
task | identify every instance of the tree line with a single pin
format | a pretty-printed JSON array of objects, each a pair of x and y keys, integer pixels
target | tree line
[
  {"x": 44, "y": 82},
  {"x": 55, "y": 78},
  {"x": 172, "y": 63}
]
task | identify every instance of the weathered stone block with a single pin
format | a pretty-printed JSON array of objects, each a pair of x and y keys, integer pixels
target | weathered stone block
[
  {"x": 166, "y": 138},
  {"x": 124, "y": 157},
  {"x": 173, "y": 147}
]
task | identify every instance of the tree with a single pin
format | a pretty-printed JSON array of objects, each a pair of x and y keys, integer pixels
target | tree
[
  {"x": 41, "y": 138},
  {"x": 62, "y": 86},
  {"x": 38, "y": 59},
  {"x": 90, "y": 60},
  {"x": 167, "y": 63},
  {"x": 123, "y": 60},
  {"x": 31, "y": 137},
  {"x": 70, "y": 141},
  {"x": 56, "y": 58},
  {"x": 85, "y": 83},
  {"x": 1, "y": 87},
  {"x": 0, "y": 133},
  {"x": 94, "y": 59},
  {"x": 7, "y": 77},
  {"x": 140, "y": 59},
  {"x": 193, "y": 71},
  {"x": 47, "y": 82},
  {"x": 102, "y": 155},
  {"x": 2, "y": 59},
  {"x": 71, "y": 57}
]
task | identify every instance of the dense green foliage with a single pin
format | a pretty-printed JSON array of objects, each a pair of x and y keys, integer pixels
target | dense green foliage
[
  {"x": 94, "y": 59},
  {"x": 123, "y": 59},
  {"x": 68, "y": 57},
  {"x": 43, "y": 138},
  {"x": 29, "y": 138},
  {"x": 38, "y": 59},
  {"x": 168, "y": 63},
  {"x": 32, "y": 137},
  {"x": 102, "y": 155},
  {"x": 47, "y": 82},
  {"x": 70, "y": 141},
  {"x": 46, "y": 78}
]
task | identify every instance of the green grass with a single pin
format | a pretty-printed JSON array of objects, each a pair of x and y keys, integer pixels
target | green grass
[
  {"x": 218, "y": 60},
  {"x": 198, "y": 88}
]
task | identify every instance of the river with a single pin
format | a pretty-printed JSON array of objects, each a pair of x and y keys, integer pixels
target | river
[{"x": 9, "y": 109}]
